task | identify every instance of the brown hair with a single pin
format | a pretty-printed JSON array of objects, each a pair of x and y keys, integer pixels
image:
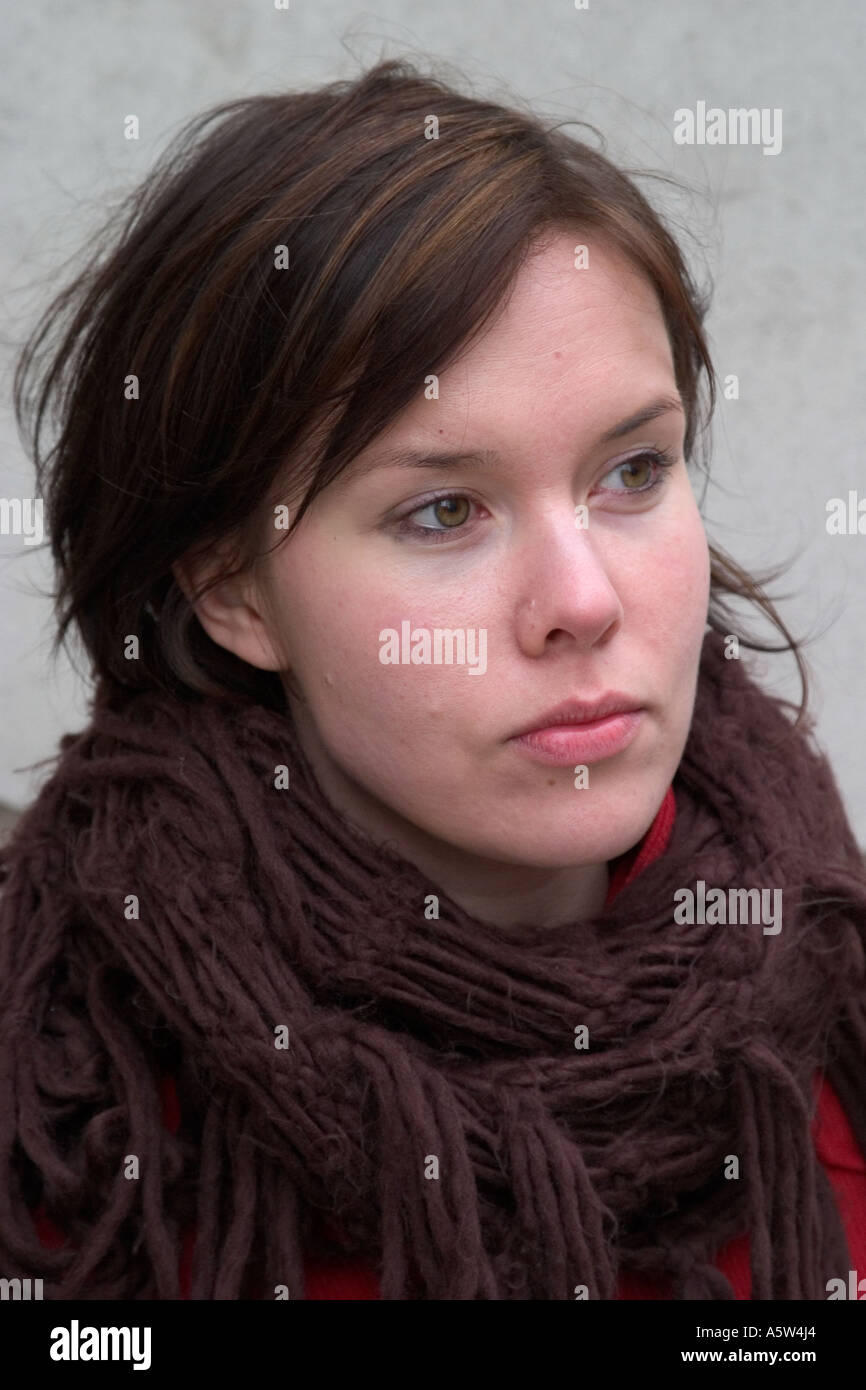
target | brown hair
[{"x": 254, "y": 377}]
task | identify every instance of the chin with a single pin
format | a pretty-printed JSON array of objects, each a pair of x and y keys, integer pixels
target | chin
[
  {"x": 563, "y": 847},
  {"x": 602, "y": 839}
]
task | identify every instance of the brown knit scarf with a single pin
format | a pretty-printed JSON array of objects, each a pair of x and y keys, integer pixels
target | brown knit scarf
[{"x": 430, "y": 1103}]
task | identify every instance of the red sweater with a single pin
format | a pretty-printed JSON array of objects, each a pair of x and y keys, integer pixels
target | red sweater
[{"x": 835, "y": 1146}]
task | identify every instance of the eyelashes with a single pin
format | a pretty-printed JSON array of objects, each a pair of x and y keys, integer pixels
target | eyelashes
[{"x": 660, "y": 459}]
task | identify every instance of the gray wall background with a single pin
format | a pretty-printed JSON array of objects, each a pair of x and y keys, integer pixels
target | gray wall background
[{"x": 781, "y": 236}]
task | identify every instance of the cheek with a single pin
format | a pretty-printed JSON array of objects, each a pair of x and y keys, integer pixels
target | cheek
[
  {"x": 679, "y": 622},
  {"x": 331, "y": 635},
  {"x": 671, "y": 593}
]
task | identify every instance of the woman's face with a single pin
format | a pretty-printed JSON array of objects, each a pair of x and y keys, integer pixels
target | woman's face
[{"x": 572, "y": 604}]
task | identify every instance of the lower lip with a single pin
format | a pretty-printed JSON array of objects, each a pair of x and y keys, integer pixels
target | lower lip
[{"x": 582, "y": 743}]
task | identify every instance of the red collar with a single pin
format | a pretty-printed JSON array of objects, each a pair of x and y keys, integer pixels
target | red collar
[{"x": 627, "y": 866}]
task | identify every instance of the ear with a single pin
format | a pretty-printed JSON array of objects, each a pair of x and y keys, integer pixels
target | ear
[{"x": 232, "y": 614}]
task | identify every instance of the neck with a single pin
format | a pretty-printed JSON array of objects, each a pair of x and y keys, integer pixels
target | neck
[{"x": 505, "y": 895}]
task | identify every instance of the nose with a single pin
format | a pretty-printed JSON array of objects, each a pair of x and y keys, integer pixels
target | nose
[{"x": 563, "y": 586}]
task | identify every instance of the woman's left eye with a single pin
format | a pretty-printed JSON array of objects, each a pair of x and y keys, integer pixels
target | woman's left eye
[{"x": 659, "y": 459}]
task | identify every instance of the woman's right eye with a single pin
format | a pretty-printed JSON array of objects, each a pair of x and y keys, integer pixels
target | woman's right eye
[{"x": 452, "y": 508}]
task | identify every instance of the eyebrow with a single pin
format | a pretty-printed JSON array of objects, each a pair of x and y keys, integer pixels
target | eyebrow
[{"x": 451, "y": 458}]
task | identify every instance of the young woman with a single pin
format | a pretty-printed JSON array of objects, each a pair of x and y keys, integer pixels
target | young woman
[{"x": 435, "y": 906}]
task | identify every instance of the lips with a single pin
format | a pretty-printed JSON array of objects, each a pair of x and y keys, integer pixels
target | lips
[
  {"x": 582, "y": 731},
  {"x": 576, "y": 712},
  {"x": 589, "y": 742}
]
